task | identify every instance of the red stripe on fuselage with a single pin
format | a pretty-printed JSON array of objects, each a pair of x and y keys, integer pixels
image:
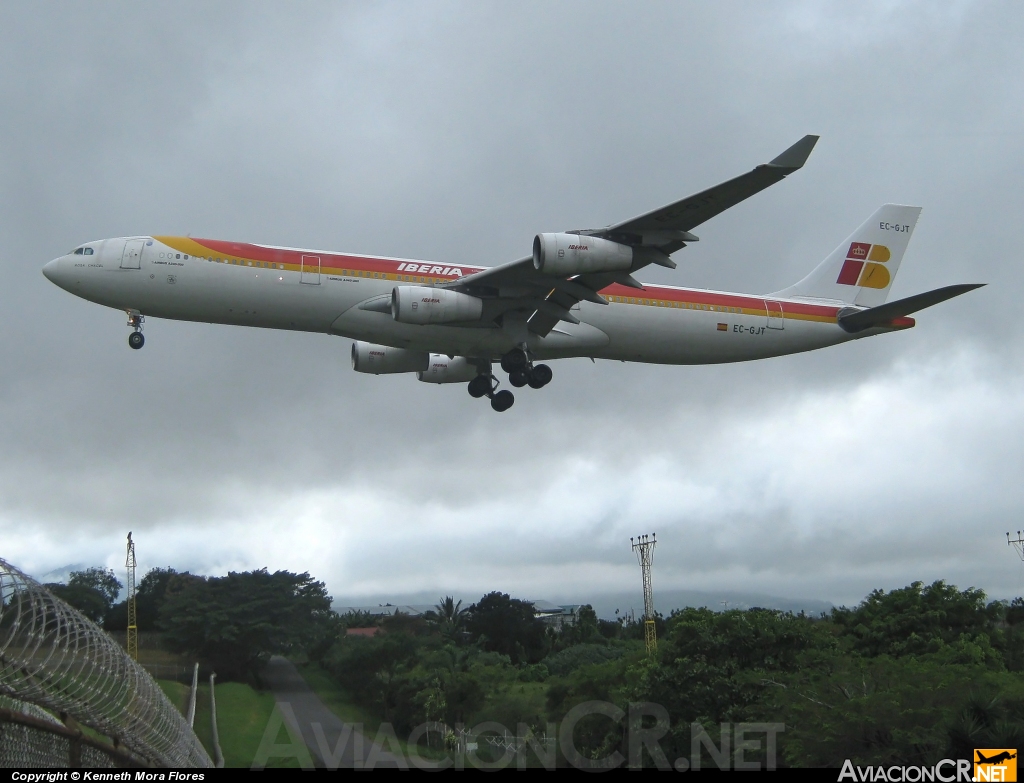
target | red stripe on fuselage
[{"x": 334, "y": 262}]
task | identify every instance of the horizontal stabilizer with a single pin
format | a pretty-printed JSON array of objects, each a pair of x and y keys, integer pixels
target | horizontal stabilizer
[{"x": 882, "y": 315}]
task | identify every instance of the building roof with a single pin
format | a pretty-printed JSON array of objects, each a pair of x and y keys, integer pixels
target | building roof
[{"x": 540, "y": 608}]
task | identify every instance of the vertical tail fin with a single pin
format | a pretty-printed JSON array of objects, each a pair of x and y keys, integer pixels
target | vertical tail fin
[{"x": 861, "y": 270}]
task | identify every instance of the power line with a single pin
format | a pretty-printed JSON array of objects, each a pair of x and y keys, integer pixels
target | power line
[
  {"x": 644, "y": 548},
  {"x": 133, "y": 628}
]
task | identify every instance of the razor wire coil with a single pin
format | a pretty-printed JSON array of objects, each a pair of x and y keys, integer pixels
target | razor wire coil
[{"x": 53, "y": 657}]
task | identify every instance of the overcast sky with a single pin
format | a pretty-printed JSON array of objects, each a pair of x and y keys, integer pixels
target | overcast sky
[{"x": 454, "y": 132}]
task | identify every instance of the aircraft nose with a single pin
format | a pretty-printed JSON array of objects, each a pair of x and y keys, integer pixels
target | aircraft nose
[{"x": 50, "y": 270}]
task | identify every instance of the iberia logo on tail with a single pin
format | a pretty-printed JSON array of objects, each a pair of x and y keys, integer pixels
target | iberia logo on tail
[{"x": 863, "y": 266}]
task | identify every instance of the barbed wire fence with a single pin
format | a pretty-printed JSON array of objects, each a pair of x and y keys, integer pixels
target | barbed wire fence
[{"x": 55, "y": 661}]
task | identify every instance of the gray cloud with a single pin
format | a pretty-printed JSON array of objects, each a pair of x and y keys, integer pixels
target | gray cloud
[{"x": 457, "y": 133}]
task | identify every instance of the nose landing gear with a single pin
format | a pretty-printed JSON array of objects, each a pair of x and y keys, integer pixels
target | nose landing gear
[{"x": 135, "y": 339}]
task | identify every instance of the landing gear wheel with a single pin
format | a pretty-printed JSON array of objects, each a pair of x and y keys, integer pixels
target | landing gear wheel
[
  {"x": 481, "y": 386},
  {"x": 514, "y": 360},
  {"x": 519, "y": 378},
  {"x": 136, "y": 340},
  {"x": 502, "y": 400},
  {"x": 540, "y": 376}
]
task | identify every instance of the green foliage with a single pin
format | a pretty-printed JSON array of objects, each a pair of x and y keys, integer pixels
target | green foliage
[
  {"x": 448, "y": 617},
  {"x": 238, "y": 621},
  {"x": 914, "y": 619},
  {"x": 507, "y": 626},
  {"x": 92, "y": 592},
  {"x": 907, "y": 677},
  {"x": 876, "y": 710},
  {"x": 572, "y": 658},
  {"x": 149, "y": 597},
  {"x": 356, "y": 619}
]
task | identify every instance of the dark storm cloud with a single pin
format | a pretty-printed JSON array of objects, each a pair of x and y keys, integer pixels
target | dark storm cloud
[{"x": 456, "y": 133}]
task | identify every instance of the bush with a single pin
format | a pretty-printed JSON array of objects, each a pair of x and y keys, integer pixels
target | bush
[{"x": 570, "y": 659}]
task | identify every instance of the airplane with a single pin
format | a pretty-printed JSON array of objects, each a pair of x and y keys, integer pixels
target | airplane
[
  {"x": 1004, "y": 756},
  {"x": 575, "y": 295}
]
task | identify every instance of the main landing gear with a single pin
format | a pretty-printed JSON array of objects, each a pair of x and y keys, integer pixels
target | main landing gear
[
  {"x": 135, "y": 339},
  {"x": 485, "y": 386},
  {"x": 521, "y": 372}
]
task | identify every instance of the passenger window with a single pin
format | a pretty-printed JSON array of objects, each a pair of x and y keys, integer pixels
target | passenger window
[
  {"x": 177, "y": 255},
  {"x": 186, "y": 257}
]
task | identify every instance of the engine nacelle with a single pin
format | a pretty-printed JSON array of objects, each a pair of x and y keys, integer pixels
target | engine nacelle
[
  {"x": 443, "y": 369},
  {"x": 383, "y": 359},
  {"x": 416, "y": 304},
  {"x": 572, "y": 254}
]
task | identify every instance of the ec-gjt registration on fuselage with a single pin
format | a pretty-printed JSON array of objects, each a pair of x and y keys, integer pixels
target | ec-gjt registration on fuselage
[{"x": 575, "y": 295}]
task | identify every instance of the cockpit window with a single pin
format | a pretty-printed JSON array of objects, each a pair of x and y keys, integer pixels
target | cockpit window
[
  {"x": 83, "y": 251},
  {"x": 88, "y": 251},
  {"x": 79, "y": 251}
]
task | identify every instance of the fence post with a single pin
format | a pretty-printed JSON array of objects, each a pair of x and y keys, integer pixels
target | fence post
[
  {"x": 218, "y": 757},
  {"x": 192, "y": 697}
]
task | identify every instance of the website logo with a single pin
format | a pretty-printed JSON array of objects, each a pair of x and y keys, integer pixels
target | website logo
[
  {"x": 863, "y": 266},
  {"x": 995, "y": 764}
]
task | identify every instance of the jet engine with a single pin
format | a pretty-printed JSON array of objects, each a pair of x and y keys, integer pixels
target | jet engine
[
  {"x": 573, "y": 254},
  {"x": 443, "y": 369},
  {"x": 383, "y": 359},
  {"x": 415, "y": 304}
]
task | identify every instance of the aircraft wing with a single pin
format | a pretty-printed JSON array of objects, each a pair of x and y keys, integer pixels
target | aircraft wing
[
  {"x": 653, "y": 236},
  {"x": 690, "y": 212}
]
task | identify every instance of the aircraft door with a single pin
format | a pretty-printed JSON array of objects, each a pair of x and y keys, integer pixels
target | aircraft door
[
  {"x": 310, "y": 270},
  {"x": 132, "y": 256},
  {"x": 776, "y": 319}
]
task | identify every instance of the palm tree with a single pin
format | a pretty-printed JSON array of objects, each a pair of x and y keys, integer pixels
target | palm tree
[{"x": 448, "y": 616}]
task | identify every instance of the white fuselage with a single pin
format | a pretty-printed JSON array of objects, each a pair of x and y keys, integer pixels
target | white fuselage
[{"x": 306, "y": 290}]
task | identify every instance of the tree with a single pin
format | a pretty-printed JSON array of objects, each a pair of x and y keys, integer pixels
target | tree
[
  {"x": 92, "y": 592},
  {"x": 355, "y": 618},
  {"x": 448, "y": 617},
  {"x": 238, "y": 621},
  {"x": 507, "y": 626},
  {"x": 914, "y": 619},
  {"x": 149, "y": 597}
]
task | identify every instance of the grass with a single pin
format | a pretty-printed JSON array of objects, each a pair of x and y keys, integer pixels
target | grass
[
  {"x": 242, "y": 717},
  {"x": 176, "y": 692}
]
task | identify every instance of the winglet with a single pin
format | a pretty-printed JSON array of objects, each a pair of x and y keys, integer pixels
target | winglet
[{"x": 796, "y": 156}]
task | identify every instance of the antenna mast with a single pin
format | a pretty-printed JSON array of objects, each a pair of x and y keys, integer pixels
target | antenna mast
[
  {"x": 644, "y": 548},
  {"x": 1017, "y": 543},
  {"x": 133, "y": 629}
]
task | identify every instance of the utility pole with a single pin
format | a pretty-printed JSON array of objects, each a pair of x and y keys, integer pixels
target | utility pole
[
  {"x": 1017, "y": 543},
  {"x": 644, "y": 548},
  {"x": 133, "y": 628}
]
